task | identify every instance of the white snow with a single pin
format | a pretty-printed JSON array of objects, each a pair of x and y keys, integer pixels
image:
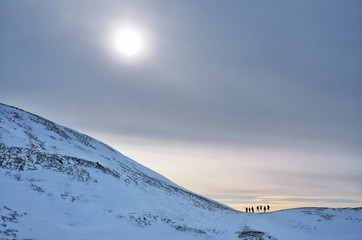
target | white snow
[{"x": 46, "y": 199}]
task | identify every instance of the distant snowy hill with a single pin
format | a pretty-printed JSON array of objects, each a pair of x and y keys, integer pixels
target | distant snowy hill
[{"x": 56, "y": 183}]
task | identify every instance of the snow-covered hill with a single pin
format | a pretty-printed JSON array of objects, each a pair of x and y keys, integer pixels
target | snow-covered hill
[{"x": 56, "y": 183}]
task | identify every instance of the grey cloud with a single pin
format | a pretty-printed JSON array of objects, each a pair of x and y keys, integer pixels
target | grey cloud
[{"x": 236, "y": 72}]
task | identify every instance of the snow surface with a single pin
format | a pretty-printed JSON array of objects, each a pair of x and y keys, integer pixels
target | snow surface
[{"x": 56, "y": 183}]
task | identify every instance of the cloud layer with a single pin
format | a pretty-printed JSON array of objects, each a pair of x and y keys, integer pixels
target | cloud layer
[{"x": 238, "y": 74}]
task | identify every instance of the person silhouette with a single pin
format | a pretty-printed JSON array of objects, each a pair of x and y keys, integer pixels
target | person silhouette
[
  {"x": 252, "y": 209},
  {"x": 268, "y": 207},
  {"x": 257, "y": 208},
  {"x": 249, "y": 210},
  {"x": 264, "y": 209},
  {"x": 246, "y": 210}
]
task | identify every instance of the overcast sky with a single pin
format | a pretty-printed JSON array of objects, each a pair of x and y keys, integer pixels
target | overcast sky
[{"x": 241, "y": 101}]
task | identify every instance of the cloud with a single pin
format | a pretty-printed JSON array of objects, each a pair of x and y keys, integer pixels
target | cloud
[
  {"x": 236, "y": 80},
  {"x": 257, "y": 76}
]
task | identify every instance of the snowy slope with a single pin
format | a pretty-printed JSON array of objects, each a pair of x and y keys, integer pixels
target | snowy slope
[{"x": 56, "y": 183}]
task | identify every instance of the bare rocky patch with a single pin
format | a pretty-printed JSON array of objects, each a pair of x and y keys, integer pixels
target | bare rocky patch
[{"x": 8, "y": 218}]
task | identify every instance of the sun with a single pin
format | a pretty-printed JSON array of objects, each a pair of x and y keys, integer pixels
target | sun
[{"x": 129, "y": 42}]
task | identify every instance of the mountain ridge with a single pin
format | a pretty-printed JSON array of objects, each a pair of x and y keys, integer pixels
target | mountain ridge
[{"x": 36, "y": 149}]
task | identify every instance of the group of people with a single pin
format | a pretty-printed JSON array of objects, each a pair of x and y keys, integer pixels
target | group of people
[{"x": 258, "y": 208}]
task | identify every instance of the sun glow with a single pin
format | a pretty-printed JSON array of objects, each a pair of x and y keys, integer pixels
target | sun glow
[{"x": 129, "y": 42}]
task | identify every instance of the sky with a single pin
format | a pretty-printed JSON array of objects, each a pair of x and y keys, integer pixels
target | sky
[{"x": 245, "y": 102}]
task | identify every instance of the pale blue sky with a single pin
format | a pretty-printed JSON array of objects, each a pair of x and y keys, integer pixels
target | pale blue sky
[{"x": 262, "y": 87}]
